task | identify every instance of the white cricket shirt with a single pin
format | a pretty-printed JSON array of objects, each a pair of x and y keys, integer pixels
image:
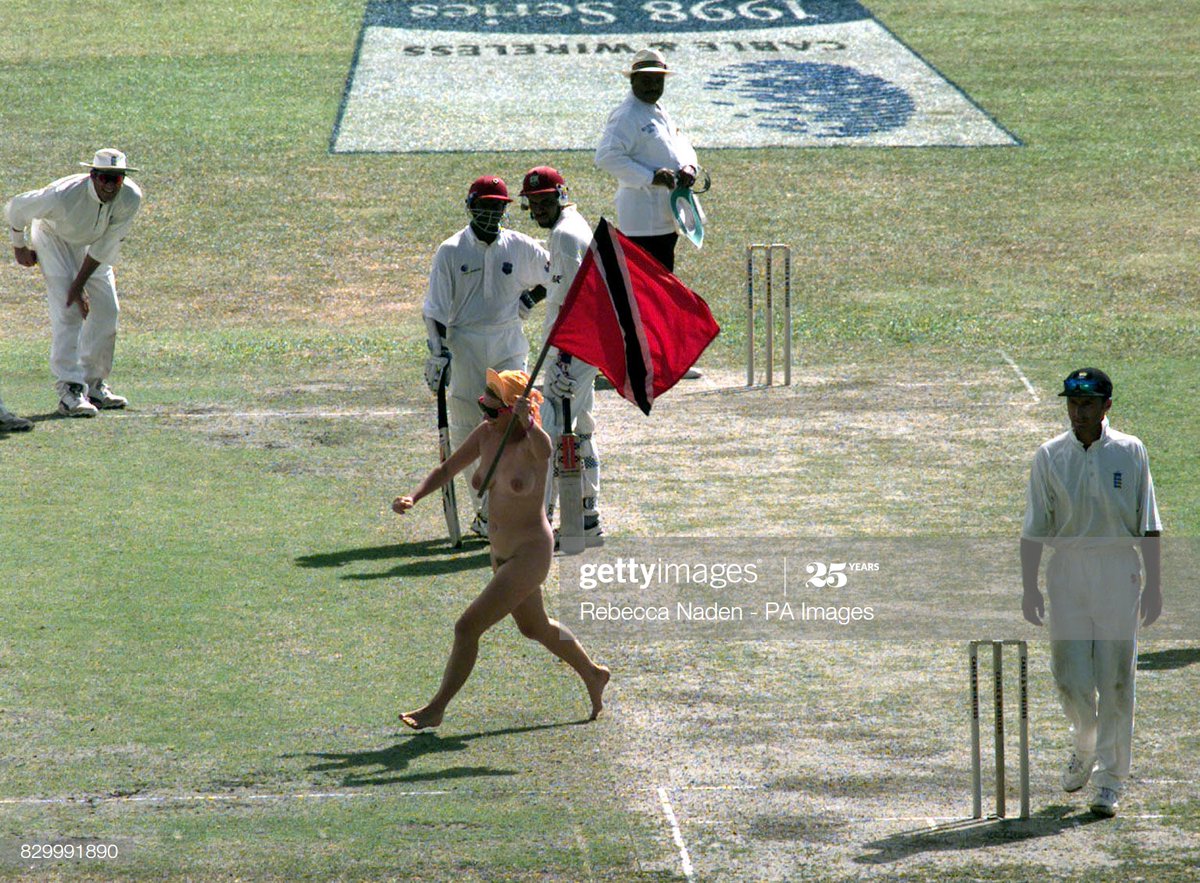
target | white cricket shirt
[
  {"x": 569, "y": 240},
  {"x": 638, "y": 139},
  {"x": 474, "y": 284},
  {"x": 1104, "y": 490},
  {"x": 70, "y": 209}
]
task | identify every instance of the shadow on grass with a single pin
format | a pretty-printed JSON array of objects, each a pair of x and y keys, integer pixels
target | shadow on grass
[
  {"x": 1165, "y": 660},
  {"x": 37, "y": 418},
  {"x": 970, "y": 834},
  {"x": 421, "y": 558},
  {"x": 387, "y": 762},
  {"x": 53, "y": 416}
]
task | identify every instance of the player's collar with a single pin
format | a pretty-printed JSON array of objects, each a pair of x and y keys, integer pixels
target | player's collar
[
  {"x": 1101, "y": 439},
  {"x": 481, "y": 242}
]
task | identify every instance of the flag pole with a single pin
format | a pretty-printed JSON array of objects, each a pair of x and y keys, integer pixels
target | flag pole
[{"x": 537, "y": 366}]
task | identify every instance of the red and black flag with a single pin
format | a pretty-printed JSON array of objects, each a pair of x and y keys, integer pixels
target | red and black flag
[{"x": 628, "y": 316}]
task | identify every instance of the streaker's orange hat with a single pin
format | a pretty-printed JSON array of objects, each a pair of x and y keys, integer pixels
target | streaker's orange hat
[{"x": 507, "y": 386}]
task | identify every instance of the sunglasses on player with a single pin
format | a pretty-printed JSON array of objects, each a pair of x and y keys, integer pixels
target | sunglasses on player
[
  {"x": 1083, "y": 386},
  {"x": 490, "y": 411},
  {"x": 110, "y": 177}
]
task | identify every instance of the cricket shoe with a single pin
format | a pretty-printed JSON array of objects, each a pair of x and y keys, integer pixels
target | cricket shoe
[
  {"x": 10, "y": 422},
  {"x": 73, "y": 401},
  {"x": 479, "y": 526},
  {"x": 1104, "y": 804},
  {"x": 1077, "y": 772},
  {"x": 101, "y": 395}
]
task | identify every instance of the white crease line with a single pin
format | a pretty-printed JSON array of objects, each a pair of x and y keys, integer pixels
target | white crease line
[
  {"x": 203, "y": 798},
  {"x": 1166, "y": 782},
  {"x": 685, "y": 860},
  {"x": 1020, "y": 374},
  {"x": 581, "y": 842},
  {"x": 270, "y": 415}
]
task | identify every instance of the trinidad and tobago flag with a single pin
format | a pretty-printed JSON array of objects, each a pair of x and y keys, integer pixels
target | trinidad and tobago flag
[{"x": 628, "y": 316}]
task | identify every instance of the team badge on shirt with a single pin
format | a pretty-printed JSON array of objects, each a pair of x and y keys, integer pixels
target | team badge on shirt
[
  {"x": 1116, "y": 479},
  {"x": 506, "y": 268}
]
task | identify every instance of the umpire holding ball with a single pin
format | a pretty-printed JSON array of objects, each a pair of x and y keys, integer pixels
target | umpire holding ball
[
  {"x": 1091, "y": 498},
  {"x": 74, "y": 228}
]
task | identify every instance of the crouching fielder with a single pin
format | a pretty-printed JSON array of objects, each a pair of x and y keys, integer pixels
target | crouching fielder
[
  {"x": 75, "y": 227},
  {"x": 522, "y": 544}
]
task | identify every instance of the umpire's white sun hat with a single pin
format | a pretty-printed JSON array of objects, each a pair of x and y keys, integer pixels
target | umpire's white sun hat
[
  {"x": 648, "y": 61},
  {"x": 109, "y": 159}
]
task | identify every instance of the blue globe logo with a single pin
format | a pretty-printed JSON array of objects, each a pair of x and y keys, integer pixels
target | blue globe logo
[{"x": 807, "y": 98}]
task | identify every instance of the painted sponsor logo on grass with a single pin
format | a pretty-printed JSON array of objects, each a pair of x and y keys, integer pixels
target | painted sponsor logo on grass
[{"x": 444, "y": 76}]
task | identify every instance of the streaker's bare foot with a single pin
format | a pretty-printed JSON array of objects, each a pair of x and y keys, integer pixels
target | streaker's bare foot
[
  {"x": 422, "y": 718},
  {"x": 596, "y": 687}
]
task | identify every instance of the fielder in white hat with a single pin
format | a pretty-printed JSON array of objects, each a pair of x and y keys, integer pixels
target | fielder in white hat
[
  {"x": 649, "y": 156},
  {"x": 73, "y": 229}
]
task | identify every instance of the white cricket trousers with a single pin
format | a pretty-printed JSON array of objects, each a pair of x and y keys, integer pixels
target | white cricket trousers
[
  {"x": 1094, "y": 609},
  {"x": 585, "y": 427},
  {"x": 81, "y": 350},
  {"x": 474, "y": 349}
]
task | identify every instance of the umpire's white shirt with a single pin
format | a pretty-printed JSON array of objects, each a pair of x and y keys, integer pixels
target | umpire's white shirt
[
  {"x": 1097, "y": 493},
  {"x": 639, "y": 139},
  {"x": 475, "y": 285},
  {"x": 70, "y": 210}
]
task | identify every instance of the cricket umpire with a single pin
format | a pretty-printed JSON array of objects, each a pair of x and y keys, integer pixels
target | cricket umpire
[
  {"x": 473, "y": 304},
  {"x": 74, "y": 228},
  {"x": 544, "y": 193},
  {"x": 1091, "y": 498},
  {"x": 649, "y": 156}
]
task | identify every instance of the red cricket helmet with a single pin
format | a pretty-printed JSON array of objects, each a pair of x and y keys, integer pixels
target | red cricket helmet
[
  {"x": 543, "y": 179},
  {"x": 488, "y": 187}
]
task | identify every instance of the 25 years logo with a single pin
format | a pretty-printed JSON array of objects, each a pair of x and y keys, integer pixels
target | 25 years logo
[
  {"x": 834, "y": 574},
  {"x": 826, "y": 576}
]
